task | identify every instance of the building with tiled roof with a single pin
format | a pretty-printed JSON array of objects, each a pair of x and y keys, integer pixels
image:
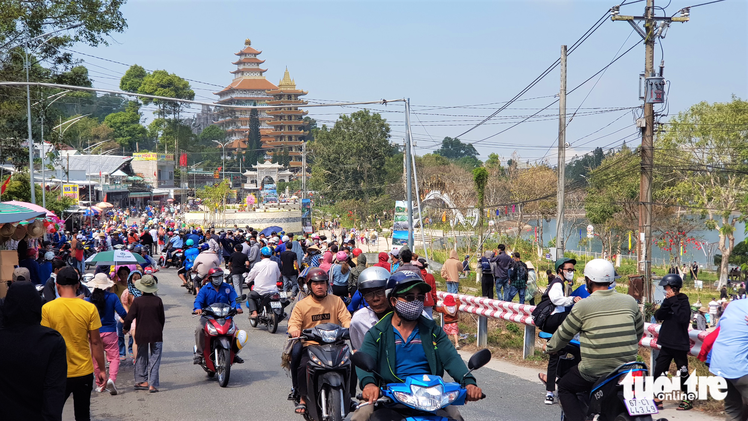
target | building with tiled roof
[
  {"x": 249, "y": 87},
  {"x": 282, "y": 130}
]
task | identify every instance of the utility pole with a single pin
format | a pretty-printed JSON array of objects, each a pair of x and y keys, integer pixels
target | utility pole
[
  {"x": 303, "y": 170},
  {"x": 653, "y": 93},
  {"x": 561, "y": 157},
  {"x": 408, "y": 171}
]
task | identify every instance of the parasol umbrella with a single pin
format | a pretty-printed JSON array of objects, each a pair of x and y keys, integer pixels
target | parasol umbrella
[
  {"x": 10, "y": 213},
  {"x": 115, "y": 257},
  {"x": 92, "y": 211},
  {"x": 269, "y": 230},
  {"x": 104, "y": 205},
  {"x": 31, "y": 206}
]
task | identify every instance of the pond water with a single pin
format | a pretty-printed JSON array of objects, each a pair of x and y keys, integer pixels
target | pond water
[{"x": 691, "y": 253}]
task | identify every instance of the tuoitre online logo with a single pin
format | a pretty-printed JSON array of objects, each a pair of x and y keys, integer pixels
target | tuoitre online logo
[{"x": 697, "y": 387}]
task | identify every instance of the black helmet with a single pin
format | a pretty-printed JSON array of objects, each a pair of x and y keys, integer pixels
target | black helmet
[
  {"x": 316, "y": 275},
  {"x": 673, "y": 280}
]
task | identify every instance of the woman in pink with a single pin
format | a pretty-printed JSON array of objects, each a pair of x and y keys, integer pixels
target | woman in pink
[
  {"x": 326, "y": 261},
  {"x": 108, "y": 304}
]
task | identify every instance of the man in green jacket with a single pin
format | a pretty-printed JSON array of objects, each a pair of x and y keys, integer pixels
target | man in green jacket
[
  {"x": 610, "y": 326},
  {"x": 404, "y": 343}
]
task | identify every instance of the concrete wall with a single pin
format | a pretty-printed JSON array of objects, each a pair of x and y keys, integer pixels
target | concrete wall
[{"x": 290, "y": 220}]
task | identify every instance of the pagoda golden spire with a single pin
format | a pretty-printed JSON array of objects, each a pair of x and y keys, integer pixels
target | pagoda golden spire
[{"x": 287, "y": 82}]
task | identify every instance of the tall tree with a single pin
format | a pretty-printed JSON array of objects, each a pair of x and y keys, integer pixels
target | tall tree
[
  {"x": 163, "y": 83},
  {"x": 349, "y": 157},
  {"x": 709, "y": 148},
  {"x": 480, "y": 179},
  {"x": 453, "y": 148},
  {"x": 133, "y": 78},
  {"x": 128, "y": 132},
  {"x": 253, "y": 153}
]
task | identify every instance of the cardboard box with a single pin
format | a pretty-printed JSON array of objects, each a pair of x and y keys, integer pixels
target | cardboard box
[{"x": 8, "y": 262}]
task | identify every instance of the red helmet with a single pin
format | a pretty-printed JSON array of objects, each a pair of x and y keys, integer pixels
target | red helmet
[
  {"x": 356, "y": 252},
  {"x": 215, "y": 272}
]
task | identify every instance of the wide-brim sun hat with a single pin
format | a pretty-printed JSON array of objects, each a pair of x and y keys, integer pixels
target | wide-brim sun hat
[
  {"x": 36, "y": 229},
  {"x": 529, "y": 265},
  {"x": 100, "y": 281},
  {"x": 147, "y": 284}
]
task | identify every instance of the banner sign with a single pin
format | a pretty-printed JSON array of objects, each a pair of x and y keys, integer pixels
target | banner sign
[
  {"x": 71, "y": 190},
  {"x": 306, "y": 216},
  {"x": 152, "y": 156},
  {"x": 400, "y": 229}
]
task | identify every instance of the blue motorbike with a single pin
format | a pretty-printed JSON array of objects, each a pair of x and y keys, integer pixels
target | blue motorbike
[{"x": 422, "y": 397}]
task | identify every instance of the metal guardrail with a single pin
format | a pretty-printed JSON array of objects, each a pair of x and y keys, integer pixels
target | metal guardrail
[{"x": 487, "y": 308}]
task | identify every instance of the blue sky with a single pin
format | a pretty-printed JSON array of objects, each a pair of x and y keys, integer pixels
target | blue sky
[{"x": 443, "y": 54}]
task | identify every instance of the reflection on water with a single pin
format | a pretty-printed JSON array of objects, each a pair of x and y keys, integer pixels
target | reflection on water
[{"x": 691, "y": 254}]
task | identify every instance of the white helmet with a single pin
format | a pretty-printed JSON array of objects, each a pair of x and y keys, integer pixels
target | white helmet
[
  {"x": 49, "y": 256},
  {"x": 600, "y": 271},
  {"x": 241, "y": 339}
]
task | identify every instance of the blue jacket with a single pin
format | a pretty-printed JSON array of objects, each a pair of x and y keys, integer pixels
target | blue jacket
[
  {"x": 357, "y": 302},
  {"x": 45, "y": 271},
  {"x": 108, "y": 322},
  {"x": 190, "y": 254},
  {"x": 208, "y": 295}
]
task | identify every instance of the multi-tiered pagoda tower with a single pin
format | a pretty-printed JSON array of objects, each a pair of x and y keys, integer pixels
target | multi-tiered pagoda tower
[
  {"x": 249, "y": 87},
  {"x": 288, "y": 123}
]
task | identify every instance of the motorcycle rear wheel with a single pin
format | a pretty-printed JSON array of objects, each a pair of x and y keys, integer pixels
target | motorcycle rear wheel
[
  {"x": 273, "y": 322},
  {"x": 223, "y": 365}
]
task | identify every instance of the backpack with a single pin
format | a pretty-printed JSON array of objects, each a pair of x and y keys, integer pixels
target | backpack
[
  {"x": 485, "y": 265},
  {"x": 544, "y": 309},
  {"x": 79, "y": 245},
  {"x": 520, "y": 272}
]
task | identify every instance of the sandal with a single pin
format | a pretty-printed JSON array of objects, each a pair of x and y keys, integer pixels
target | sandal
[
  {"x": 300, "y": 408},
  {"x": 543, "y": 378},
  {"x": 141, "y": 386},
  {"x": 685, "y": 405}
]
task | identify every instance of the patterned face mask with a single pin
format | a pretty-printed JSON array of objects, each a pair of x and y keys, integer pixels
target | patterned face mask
[{"x": 409, "y": 310}]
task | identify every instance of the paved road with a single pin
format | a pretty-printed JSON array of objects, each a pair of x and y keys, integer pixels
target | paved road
[{"x": 258, "y": 388}]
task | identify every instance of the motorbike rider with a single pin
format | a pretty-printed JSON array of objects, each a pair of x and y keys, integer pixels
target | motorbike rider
[
  {"x": 204, "y": 262},
  {"x": 372, "y": 284},
  {"x": 316, "y": 308},
  {"x": 217, "y": 292},
  {"x": 610, "y": 326},
  {"x": 265, "y": 274},
  {"x": 175, "y": 242},
  {"x": 189, "y": 260},
  {"x": 419, "y": 345},
  {"x": 143, "y": 252}
]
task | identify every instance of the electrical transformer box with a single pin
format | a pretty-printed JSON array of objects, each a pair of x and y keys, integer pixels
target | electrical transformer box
[{"x": 654, "y": 90}]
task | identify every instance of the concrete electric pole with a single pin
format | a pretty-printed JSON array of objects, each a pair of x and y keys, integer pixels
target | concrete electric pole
[
  {"x": 561, "y": 157},
  {"x": 653, "y": 93}
]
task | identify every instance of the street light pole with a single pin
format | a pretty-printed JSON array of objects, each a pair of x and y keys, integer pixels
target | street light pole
[{"x": 223, "y": 157}]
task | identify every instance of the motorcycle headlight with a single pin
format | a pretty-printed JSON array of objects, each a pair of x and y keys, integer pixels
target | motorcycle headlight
[
  {"x": 232, "y": 329},
  {"x": 211, "y": 329},
  {"x": 315, "y": 359},
  {"x": 328, "y": 336},
  {"x": 427, "y": 399}
]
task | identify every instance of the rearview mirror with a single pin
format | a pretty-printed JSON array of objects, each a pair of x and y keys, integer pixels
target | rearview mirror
[
  {"x": 479, "y": 359},
  {"x": 364, "y": 361}
]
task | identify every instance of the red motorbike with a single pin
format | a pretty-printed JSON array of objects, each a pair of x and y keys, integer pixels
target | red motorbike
[{"x": 221, "y": 341}]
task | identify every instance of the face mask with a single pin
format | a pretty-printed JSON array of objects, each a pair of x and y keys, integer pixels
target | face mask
[
  {"x": 409, "y": 310},
  {"x": 216, "y": 281},
  {"x": 569, "y": 276}
]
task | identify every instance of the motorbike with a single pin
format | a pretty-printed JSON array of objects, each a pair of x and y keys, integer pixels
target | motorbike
[
  {"x": 605, "y": 401},
  {"x": 328, "y": 373},
  {"x": 193, "y": 281},
  {"x": 420, "y": 397},
  {"x": 220, "y": 338},
  {"x": 270, "y": 309},
  {"x": 176, "y": 260}
]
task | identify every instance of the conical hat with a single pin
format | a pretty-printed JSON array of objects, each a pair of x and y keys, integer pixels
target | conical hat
[
  {"x": 36, "y": 229},
  {"x": 20, "y": 233}
]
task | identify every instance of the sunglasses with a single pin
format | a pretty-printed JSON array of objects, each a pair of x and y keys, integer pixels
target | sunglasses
[
  {"x": 371, "y": 295},
  {"x": 572, "y": 270},
  {"x": 411, "y": 297}
]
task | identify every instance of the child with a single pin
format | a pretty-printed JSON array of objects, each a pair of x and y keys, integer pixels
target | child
[{"x": 451, "y": 311}]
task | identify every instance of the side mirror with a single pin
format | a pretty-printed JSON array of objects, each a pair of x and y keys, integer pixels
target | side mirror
[
  {"x": 479, "y": 359},
  {"x": 364, "y": 361}
]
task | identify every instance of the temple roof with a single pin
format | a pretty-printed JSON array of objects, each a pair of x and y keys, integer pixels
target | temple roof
[
  {"x": 247, "y": 49},
  {"x": 249, "y": 60},
  {"x": 249, "y": 69},
  {"x": 250, "y": 84},
  {"x": 287, "y": 82}
]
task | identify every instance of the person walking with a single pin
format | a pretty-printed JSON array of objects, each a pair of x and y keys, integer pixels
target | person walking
[
  {"x": 149, "y": 310},
  {"x": 431, "y": 298},
  {"x": 675, "y": 313},
  {"x": 466, "y": 266},
  {"x": 78, "y": 322},
  {"x": 108, "y": 304},
  {"x": 713, "y": 310},
  {"x": 518, "y": 275},
  {"x": 451, "y": 272},
  {"x": 239, "y": 263},
  {"x": 33, "y": 377},
  {"x": 290, "y": 269},
  {"x": 451, "y": 310},
  {"x": 730, "y": 359}
]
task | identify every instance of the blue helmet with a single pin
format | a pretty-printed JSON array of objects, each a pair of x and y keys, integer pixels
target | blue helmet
[
  {"x": 204, "y": 246},
  {"x": 190, "y": 242},
  {"x": 405, "y": 280},
  {"x": 266, "y": 252}
]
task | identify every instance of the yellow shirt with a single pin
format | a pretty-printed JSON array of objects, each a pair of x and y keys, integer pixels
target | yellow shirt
[
  {"x": 73, "y": 318},
  {"x": 118, "y": 288}
]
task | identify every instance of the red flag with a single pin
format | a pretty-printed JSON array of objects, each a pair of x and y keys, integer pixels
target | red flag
[
  {"x": 183, "y": 160},
  {"x": 219, "y": 168},
  {"x": 5, "y": 185}
]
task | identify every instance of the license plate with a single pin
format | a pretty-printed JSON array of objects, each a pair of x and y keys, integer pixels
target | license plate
[
  {"x": 640, "y": 406},
  {"x": 283, "y": 294},
  {"x": 275, "y": 304}
]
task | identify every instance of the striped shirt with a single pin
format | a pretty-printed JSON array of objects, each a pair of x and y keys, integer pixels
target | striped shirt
[{"x": 609, "y": 326}]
